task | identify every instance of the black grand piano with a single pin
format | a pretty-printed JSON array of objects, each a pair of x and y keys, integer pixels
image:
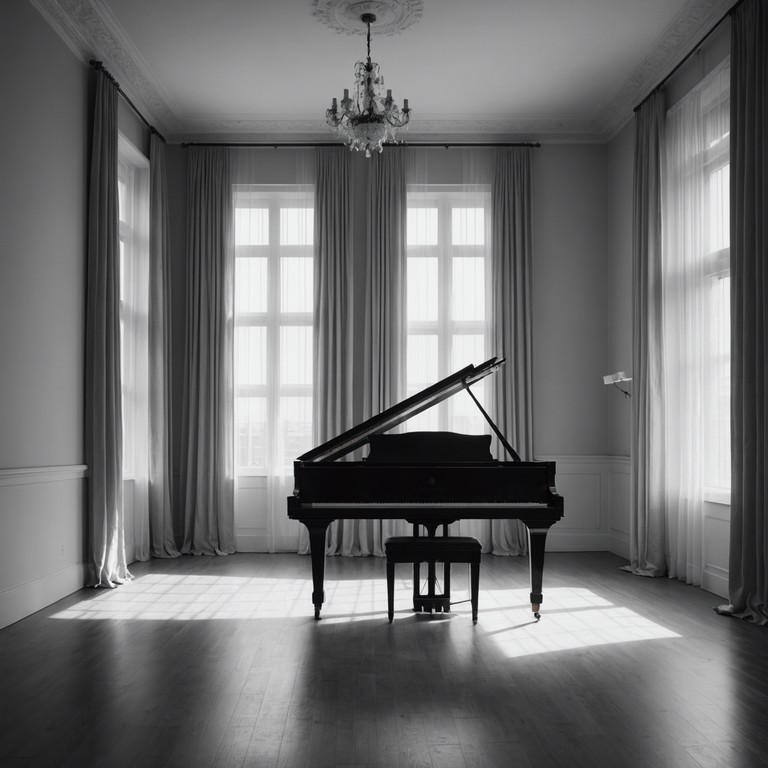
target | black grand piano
[{"x": 426, "y": 478}]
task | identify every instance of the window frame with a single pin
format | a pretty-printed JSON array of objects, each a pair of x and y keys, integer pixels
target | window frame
[
  {"x": 272, "y": 197},
  {"x": 446, "y": 327}
]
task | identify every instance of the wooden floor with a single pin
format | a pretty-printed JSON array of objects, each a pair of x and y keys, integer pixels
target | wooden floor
[{"x": 218, "y": 662}]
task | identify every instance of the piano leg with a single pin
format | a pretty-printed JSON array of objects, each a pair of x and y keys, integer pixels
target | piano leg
[
  {"x": 317, "y": 530},
  {"x": 537, "y": 539}
]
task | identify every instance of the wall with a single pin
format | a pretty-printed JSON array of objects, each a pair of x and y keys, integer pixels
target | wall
[
  {"x": 43, "y": 141},
  {"x": 574, "y": 412}
]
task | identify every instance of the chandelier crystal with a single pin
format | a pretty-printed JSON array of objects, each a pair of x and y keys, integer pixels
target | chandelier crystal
[{"x": 369, "y": 118}]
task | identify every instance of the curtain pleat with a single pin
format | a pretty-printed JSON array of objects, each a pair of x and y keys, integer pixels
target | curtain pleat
[
  {"x": 103, "y": 391},
  {"x": 207, "y": 480},
  {"x": 647, "y": 508},
  {"x": 160, "y": 450},
  {"x": 511, "y": 319},
  {"x": 333, "y": 317},
  {"x": 748, "y": 567},
  {"x": 384, "y": 364}
]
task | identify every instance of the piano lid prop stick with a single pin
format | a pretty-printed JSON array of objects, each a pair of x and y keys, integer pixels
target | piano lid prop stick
[{"x": 503, "y": 440}]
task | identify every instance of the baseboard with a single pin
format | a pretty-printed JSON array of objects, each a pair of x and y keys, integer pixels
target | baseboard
[
  {"x": 261, "y": 542},
  {"x": 22, "y": 600}
]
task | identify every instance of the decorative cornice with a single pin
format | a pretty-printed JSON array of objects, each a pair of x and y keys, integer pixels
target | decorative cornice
[
  {"x": 91, "y": 31},
  {"x": 695, "y": 19}
]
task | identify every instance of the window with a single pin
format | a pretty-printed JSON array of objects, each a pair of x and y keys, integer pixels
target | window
[
  {"x": 133, "y": 215},
  {"x": 447, "y": 297},
  {"x": 696, "y": 295},
  {"x": 717, "y": 393},
  {"x": 273, "y": 326}
]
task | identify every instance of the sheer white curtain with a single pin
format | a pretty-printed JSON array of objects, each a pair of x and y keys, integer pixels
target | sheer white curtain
[
  {"x": 273, "y": 235},
  {"x": 103, "y": 391},
  {"x": 694, "y": 266},
  {"x": 133, "y": 185}
]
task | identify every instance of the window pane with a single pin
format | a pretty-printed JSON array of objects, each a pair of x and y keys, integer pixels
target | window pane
[
  {"x": 296, "y": 355},
  {"x": 296, "y": 284},
  {"x": 719, "y": 469},
  {"x": 251, "y": 226},
  {"x": 122, "y": 197},
  {"x": 466, "y": 417},
  {"x": 468, "y": 226},
  {"x": 421, "y": 226},
  {"x": 250, "y": 356},
  {"x": 295, "y": 427},
  {"x": 719, "y": 209},
  {"x": 421, "y": 361},
  {"x": 468, "y": 289},
  {"x": 421, "y": 287},
  {"x": 250, "y": 431},
  {"x": 467, "y": 348},
  {"x": 251, "y": 285},
  {"x": 296, "y": 226}
]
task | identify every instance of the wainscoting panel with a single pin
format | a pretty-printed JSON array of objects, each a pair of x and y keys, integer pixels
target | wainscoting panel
[
  {"x": 717, "y": 537},
  {"x": 584, "y": 482},
  {"x": 42, "y": 550}
]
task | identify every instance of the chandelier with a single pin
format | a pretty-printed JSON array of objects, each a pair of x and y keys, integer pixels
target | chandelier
[{"x": 371, "y": 118}]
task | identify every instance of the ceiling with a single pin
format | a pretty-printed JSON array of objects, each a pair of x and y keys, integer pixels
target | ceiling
[{"x": 472, "y": 70}]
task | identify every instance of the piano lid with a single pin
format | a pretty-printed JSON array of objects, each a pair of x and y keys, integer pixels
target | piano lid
[{"x": 357, "y": 436}]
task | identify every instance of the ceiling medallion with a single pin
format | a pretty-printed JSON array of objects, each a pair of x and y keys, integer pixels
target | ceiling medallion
[{"x": 392, "y": 16}]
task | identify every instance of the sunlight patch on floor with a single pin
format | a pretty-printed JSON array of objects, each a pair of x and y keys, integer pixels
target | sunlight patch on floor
[{"x": 572, "y": 618}]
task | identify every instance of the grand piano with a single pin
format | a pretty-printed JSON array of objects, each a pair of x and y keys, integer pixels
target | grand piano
[{"x": 427, "y": 478}]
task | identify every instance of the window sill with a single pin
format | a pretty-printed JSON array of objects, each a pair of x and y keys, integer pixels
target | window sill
[{"x": 718, "y": 496}]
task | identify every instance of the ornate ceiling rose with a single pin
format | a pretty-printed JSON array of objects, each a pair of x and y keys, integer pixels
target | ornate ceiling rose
[{"x": 392, "y": 16}]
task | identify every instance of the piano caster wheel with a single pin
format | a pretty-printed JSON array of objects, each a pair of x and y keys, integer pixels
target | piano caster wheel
[
  {"x": 537, "y": 615},
  {"x": 317, "y": 612}
]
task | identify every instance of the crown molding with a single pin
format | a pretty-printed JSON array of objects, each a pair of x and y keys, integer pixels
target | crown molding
[
  {"x": 91, "y": 31},
  {"x": 677, "y": 41}
]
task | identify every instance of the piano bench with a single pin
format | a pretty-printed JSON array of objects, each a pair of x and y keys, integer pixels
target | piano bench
[{"x": 431, "y": 550}]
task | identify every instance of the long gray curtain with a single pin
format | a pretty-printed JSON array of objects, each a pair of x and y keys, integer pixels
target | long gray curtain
[
  {"x": 647, "y": 514},
  {"x": 207, "y": 480},
  {"x": 103, "y": 392},
  {"x": 511, "y": 318},
  {"x": 748, "y": 567},
  {"x": 384, "y": 364},
  {"x": 333, "y": 315},
  {"x": 159, "y": 322}
]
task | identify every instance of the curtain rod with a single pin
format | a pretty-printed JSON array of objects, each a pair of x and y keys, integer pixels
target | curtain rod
[
  {"x": 99, "y": 67},
  {"x": 691, "y": 52},
  {"x": 278, "y": 144}
]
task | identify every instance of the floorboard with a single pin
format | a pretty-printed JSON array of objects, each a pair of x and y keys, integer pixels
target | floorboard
[{"x": 213, "y": 662}]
